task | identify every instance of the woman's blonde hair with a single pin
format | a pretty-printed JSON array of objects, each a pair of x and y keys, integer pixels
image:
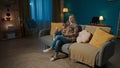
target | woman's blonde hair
[{"x": 73, "y": 18}]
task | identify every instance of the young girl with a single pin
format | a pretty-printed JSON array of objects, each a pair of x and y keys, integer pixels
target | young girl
[{"x": 56, "y": 32}]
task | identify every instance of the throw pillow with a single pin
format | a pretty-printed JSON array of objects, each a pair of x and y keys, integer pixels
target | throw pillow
[
  {"x": 53, "y": 27},
  {"x": 83, "y": 37},
  {"x": 100, "y": 37}
]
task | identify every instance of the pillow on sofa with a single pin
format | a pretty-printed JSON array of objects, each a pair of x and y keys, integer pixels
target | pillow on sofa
[
  {"x": 100, "y": 37},
  {"x": 84, "y": 36},
  {"x": 53, "y": 27}
]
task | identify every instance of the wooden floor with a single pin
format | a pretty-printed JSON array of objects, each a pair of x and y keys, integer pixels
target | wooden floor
[{"x": 29, "y": 46}]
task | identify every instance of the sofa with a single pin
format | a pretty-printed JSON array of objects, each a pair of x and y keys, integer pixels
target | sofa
[{"x": 104, "y": 53}]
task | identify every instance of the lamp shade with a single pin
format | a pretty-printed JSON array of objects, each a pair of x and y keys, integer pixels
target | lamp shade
[
  {"x": 65, "y": 9},
  {"x": 101, "y": 18}
]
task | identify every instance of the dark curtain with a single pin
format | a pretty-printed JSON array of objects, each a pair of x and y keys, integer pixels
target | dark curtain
[
  {"x": 24, "y": 11},
  {"x": 57, "y": 7}
]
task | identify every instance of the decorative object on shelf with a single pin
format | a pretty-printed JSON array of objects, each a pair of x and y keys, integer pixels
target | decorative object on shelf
[
  {"x": 11, "y": 27},
  {"x": 2, "y": 19},
  {"x": 94, "y": 21},
  {"x": 8, "y": 15}
]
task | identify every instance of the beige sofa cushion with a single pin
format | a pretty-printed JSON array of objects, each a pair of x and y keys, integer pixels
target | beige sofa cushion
[
  {"x": 92, "y": 29},
  {"x": 46, "y": 40}
]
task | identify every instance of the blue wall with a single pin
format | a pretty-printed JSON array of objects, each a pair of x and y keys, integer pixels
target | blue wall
[{"x": 84, "y": 10}]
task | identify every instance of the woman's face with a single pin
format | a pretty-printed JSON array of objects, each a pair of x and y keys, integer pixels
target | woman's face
[{"x": 71, "y": 18}]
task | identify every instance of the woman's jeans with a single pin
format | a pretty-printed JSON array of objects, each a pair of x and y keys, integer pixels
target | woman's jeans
[{"x": 58, "y": 42}]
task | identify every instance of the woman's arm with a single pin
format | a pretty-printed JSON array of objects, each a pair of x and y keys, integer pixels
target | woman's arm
[{"x": 74, "y": 32}]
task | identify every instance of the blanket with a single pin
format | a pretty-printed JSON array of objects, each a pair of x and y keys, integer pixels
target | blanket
[{"x": 84, "y": 53}]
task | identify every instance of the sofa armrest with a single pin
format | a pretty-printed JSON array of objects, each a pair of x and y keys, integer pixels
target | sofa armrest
[
  {"x": 105, "y": 53},
  {"x": 44, "y": 32}
]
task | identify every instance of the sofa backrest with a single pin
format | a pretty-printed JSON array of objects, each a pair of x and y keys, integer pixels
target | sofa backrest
[{"x": 92, "y": 28}]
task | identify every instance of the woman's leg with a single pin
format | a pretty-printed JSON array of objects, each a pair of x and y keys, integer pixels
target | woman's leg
[
  {"x": 59, "y": 41},
  {"x": 58, "y": 45},
  {"x": 56, "y": 48},
  {"x": 53, "y": 44},
  {"x": 62, "y": 38}
]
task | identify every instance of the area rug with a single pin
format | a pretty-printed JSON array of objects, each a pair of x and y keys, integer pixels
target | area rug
[
  {"x": 38, "y": 60},
  {"x": 27, "y": 53},
  {"x": 33, "y": 60}
]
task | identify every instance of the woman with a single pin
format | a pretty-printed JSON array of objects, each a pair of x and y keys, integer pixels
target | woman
[{"x": 70, "y": 34}]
